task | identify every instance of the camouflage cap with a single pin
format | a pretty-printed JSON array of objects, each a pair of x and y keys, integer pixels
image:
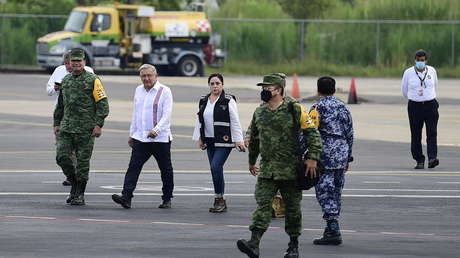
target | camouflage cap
[
  {"x": 77, "y": 54},
  {"x": 278, "y": 79}
]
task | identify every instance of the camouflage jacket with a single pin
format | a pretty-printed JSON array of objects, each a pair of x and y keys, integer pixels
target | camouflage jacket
[
  {"x": 271, "y": 134},
  {"x": 82, "y": 104},
  {"x": 336, "y": 129}
]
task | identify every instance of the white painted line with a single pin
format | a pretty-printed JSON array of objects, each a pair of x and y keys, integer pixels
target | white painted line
[
  {"x": 448, "y": 182},
  {"x": 30, "y": 217},
  {"x": 402, "y": 190},
  {"x": 235, "y": 195},
  {"x": 394, "y": 233},
  {"x": 381, "y": 182},
  {"x": 167, "y": 223},
  {"x": 106, "y": 220},
  {"x": 206, "y": 171}
]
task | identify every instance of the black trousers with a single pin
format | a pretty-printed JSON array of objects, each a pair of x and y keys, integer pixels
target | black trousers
[
  {"x": 420, "y": 113},
  {"x": 141, "y": 152}
]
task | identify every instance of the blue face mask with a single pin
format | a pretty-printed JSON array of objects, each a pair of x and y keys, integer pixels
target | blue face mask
[{"x": 420, "y": 65}]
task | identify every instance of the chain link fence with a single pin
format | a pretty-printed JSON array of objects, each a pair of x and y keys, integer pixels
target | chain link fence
[{"x": 349, "y": 42}]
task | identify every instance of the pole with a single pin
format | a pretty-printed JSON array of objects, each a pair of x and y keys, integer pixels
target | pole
[
  {"x": 302, "y": 40},
  {"x": 377, "y": 43},
  {"x": 452, "y": 60}
]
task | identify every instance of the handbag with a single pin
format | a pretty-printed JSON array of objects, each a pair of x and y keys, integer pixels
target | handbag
[{"x": 304, "y": 182}]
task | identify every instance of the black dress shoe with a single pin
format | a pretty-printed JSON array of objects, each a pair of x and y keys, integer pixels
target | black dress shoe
[
  {"x": 165, "y": 205},
  {"x": 123, "y": 201},
  {"x": 433, "y": 163},
  {"x": 420, "y": 165},
  {"x": 66, "y": 183}
]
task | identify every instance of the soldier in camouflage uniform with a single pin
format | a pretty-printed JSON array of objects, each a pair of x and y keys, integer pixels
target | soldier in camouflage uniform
[
  {"x": 272, "y": 135},
  {"x": 78, "y": 118},
  {"x": 336, "y": 128}
]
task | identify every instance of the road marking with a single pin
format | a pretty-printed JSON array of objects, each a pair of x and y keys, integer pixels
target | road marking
[
  {"x": 201, "y": 225},
  {"x": 206, "y": 171},
  {"x": 448, "y": 182},
  {"x": 401, "y": 190},
  {"x": 30, "y": 217},
  {"x": 96, "y": 151},
  {"x": 103, "y": 130},
  {"x": 381, "y": 182},
  {"x": 105, "y": 220},
  {"x": 237, "y": 195}
]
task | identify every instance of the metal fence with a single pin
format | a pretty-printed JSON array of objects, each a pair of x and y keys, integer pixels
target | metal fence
[{"x": 357, "y": 42}]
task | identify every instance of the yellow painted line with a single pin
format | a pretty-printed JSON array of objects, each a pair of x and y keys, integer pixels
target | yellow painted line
[
  {"x": 103, "y": 130},
  {"x": 109, "y": 151}
]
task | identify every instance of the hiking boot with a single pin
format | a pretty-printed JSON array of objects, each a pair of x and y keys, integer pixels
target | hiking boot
[
  {"x": 219, "y": 205},
  {"x": 166, "y": 204},
  {"x": 293, "y": 248},
  {"x": 251, "y": 247},
  {"x": 433, "y": 163},
  {"x": 124, "y": 201},
  {"x": 79, "y": 193},
  {"x": 331, "y": 235}
]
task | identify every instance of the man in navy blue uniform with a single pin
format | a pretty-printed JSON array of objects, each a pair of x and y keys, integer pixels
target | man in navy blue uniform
[{"x": 336, "y": 128}]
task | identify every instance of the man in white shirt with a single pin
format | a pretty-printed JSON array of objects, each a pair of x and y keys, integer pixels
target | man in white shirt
[
  {"x": 150, "y": 135},
  {"x": 419, "y": 85},
  {"x": 52, "y": 87}
]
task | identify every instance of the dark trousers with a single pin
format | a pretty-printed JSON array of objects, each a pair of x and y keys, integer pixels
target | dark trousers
[
  {"x": 217, "y": 157},
  {"x": 141, "y": 152},
  {"x": 423, "y": 113}
]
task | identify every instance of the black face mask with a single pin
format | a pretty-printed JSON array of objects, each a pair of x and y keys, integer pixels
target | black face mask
[{"x": 265, "y": 95}]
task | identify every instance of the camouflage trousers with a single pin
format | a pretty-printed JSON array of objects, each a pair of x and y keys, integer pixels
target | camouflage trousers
[
  {"x": 329, "y": 192},
  {"x": 72, "y": 157},
  {"x": 266, "y": 190},
  {"x": 82, "y": 146}
]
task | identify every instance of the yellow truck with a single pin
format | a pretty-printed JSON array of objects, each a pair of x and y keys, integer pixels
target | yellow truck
[{"x": 120, "y": 36}]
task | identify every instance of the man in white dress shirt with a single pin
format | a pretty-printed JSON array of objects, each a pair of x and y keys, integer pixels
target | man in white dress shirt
[
  {"x": 419, "y": 85},
  {"x": 150, "y": 135},
  {"x": 52, "y": 87}
]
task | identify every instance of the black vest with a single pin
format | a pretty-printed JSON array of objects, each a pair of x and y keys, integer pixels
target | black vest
[{"x": 221, "y": 117}]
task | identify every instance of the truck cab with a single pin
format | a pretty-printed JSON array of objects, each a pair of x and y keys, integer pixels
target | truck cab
[{"x": 119, "y": 37}]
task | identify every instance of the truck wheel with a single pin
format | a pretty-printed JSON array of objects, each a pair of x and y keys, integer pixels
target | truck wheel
[{"x": 189, "y": 66}]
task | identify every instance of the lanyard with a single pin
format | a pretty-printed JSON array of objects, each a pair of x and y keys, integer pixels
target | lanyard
[{"x": 422, "y": 81}]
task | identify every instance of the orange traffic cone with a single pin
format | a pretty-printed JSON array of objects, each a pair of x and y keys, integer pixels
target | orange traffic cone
[
  {"x": 352, "y": 95},
  {"x": 295, "y": 93}
]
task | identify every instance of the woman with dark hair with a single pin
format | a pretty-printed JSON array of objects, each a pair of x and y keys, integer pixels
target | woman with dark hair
[{"x": 218, "y": 131}]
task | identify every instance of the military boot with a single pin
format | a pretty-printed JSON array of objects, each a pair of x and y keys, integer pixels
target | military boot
[
  {"x": 73, "y": 189},
  {"x": 293, "y": 248},
  {"x": 219, "y": 205},
  {"x": 80, "y": 194},
  {"x": 251, "y": 247},
  {"x": 331, "y": 235}
]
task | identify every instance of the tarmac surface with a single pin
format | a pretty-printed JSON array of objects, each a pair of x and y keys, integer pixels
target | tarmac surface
[{"x": 389, "y": 209}]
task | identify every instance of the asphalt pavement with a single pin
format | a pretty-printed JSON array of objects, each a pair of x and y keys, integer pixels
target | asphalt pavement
[{"x": 389, "y": 209}]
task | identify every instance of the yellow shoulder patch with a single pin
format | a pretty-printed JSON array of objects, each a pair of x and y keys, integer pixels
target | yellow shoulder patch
[
  {"x": 314, "y": 116},
  {"x": 305, "y": 120},
  {"x": 98, "y": 91}
]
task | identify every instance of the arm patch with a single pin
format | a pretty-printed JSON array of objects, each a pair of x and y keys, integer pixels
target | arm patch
[
  {"x": 98, "y": 91},
  {"x": 305, "y": 120},
  {"x": 314, "y": 115}
]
